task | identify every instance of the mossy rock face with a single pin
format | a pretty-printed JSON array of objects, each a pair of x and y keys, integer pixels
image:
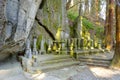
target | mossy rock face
[{"x": 50, "y": 15}]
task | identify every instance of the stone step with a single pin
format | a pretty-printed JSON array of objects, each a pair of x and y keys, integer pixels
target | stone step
[
  {"x": 95, "y": 64},
  {"x": 94, "y": 58},
  {"x": 52, "y": 57},
  {"x": 55, "y": 61},
  {"x": 55, "y": 66},
  {"x": 84, "y": 52},
  {"x": 95, "y": 61},
  {"x": 89, "y": 51}
]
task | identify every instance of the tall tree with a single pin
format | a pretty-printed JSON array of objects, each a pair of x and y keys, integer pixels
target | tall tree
[
  {"x": 86, "y": 12},
  {"x": 109, "y": 25},
  {"x": 68, "y": 4},
  {"x": 92, "y": 10},
  {"x": 97, "y": 9},
  {"x": 116, "y": 59},
  {"x": 64, "y": 17},
  {"x": 106, "y": 22},
  {"x": 76, "y": 28}
]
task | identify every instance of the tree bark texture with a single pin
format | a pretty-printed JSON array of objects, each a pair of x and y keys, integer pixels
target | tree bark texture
[
  {"x": 116, "y": 59},
  {"x": 109, "y": 25}
]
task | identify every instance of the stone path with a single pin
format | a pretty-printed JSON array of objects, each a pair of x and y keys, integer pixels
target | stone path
[
  {"x": 105, "y": 73},
  {"x": 78, "y": 73},
  {"x": 11, "y": 70},
  {"x": 70, "y": 73}
]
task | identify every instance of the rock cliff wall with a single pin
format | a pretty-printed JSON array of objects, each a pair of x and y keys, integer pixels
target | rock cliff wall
[
  {"x": 53, "y": 15},
  {"x": 16, "y": 20}
]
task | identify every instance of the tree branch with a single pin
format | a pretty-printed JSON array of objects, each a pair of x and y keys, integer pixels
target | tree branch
[{"x": 74, "y": 5}]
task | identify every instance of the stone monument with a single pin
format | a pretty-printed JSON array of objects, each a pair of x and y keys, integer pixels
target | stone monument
[
  {"x": 35, "y": 52},
  {"x": 27, "y": 60},
  {"x": 42, "y": 48},
  {"x": 28, "y": 52}
]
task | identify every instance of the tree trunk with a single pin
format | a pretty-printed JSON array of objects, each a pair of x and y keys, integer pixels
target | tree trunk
[
  {"x": 86, "y": 8},
  {"x": 106, "y": 22},
  {"x": 109, "y": 27},
  {"x": 64, "y": 16},
  {"x": 68, "y": 4},
  {"x": 92, "y": 11},
  {"x": 76, "y": 28},
  {"x": 116, "y": 59},
  {"x": 97, "y": 9}
]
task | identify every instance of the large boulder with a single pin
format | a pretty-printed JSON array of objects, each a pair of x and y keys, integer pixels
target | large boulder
[{"x": 16, "y": 20}]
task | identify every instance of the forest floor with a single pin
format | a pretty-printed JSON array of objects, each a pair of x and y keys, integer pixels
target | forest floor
[{"x": 11, "y": 70}]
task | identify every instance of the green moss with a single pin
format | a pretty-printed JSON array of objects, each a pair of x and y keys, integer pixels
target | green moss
[
  {"x": 87, "y": 24},
  {"x": 38, "y": 41},
  {"x": 99, "y": 31},
  {"x": 72, "y": 15}
]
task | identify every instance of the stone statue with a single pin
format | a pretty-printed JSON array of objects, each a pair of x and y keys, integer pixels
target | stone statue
[
  {"x": 35, "y": 52},
  {"x": 42, "y": 48},
  {"x": 49, "y": 46},
  {"x": 27, "y": 60},
  {"x": 28, "y": 52}
]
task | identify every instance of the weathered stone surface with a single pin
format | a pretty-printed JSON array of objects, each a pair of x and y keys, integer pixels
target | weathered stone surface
[
  {"x": 10, "y": 69},
  {"x": 16, "y": 21},
  {"x": 12, "y": 8},
  {"x": 2, "y": 18},
  {"x": 26, "y": 15}
]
